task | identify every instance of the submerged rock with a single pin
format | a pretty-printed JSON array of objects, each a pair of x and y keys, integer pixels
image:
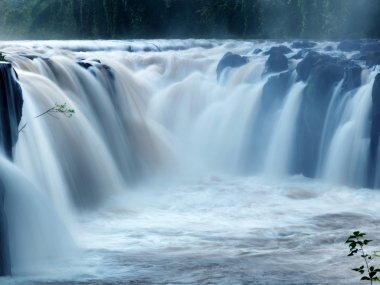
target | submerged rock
[{"x": 230, "y": 60}]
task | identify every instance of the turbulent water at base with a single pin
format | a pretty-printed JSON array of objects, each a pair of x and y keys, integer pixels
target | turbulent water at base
[{"x": 167, "y": 174}]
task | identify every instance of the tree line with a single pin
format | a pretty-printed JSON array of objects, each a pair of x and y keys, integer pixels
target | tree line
[{"x": 122, "y": 19}]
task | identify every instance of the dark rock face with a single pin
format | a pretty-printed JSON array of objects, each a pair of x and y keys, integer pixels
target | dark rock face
[
  {"x": 230, "y": 60},
  {"x": 375, "y": 130},
  {"x": 11, "y": 102}
]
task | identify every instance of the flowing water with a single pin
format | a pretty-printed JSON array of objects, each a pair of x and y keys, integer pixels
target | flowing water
[{"x": 166, "y": 175}]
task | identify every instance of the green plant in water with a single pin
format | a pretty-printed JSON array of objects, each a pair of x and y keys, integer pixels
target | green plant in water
[
  {"x": 57, "y": 108},
  {"x": 2, "y": 58},
  {"x": 356, "y": 243}
]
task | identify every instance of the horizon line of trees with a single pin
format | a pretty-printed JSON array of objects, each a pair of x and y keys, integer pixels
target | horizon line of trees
[{"x": 117, "y": 19}]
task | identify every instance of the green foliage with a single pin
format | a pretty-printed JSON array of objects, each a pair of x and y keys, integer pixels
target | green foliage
[
  {"x": 356, "y": 243},
  {"x": 63, "y": 109}
]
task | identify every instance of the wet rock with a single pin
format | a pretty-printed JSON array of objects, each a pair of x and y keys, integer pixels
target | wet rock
[
  {"x": 230, "y": 60},
  {"x": 85, "y": 64},
  {"x": 257, "y": 51},
  {"x": 303, "y": 44},
  {"x": 276, "y": 62},
  {"x": 350, "y": 45}
]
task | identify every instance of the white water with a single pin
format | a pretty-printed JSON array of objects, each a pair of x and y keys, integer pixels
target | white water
[{"x": 146, "y": 177}]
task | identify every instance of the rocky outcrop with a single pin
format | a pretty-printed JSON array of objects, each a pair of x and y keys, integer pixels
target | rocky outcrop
[
  {"x": 230, "y": 60},
  {"x": 11, "y": 102}
]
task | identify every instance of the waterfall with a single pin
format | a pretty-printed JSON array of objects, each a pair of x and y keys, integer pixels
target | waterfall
[{"x": 143, "y": 116}]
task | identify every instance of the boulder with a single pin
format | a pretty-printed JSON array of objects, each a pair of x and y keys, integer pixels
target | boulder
[
  {"x": 230, "y": 60},
  {"x": 350, "y": 45},
  {"x": 276, "y": 62}
]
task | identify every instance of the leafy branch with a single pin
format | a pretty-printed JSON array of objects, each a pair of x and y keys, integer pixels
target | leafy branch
[
  {"x": 356, "y": 243},
  {"x": 57, "y": 108}
]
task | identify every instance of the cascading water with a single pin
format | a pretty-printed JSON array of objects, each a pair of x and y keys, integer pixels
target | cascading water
[{"x": 171, "y": 172}]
